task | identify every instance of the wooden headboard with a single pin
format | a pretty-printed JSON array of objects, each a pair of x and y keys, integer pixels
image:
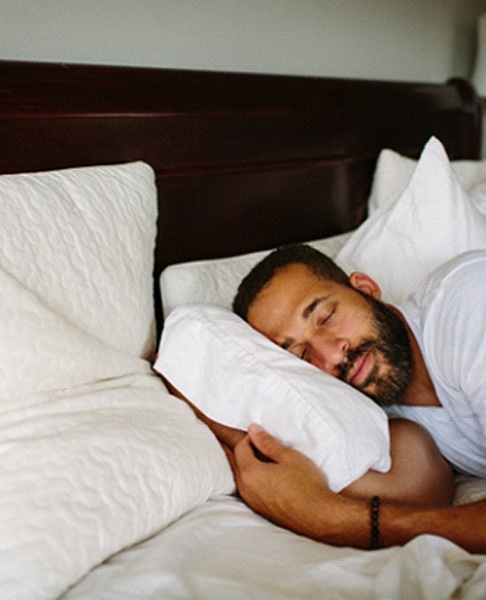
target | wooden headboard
[{"x": 243, "y": 162}]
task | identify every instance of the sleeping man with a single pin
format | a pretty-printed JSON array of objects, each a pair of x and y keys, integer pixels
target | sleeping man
[{"x": 424, "y": 361}]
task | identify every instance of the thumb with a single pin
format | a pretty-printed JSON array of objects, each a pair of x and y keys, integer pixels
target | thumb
[{"x": 265, "y": 443}]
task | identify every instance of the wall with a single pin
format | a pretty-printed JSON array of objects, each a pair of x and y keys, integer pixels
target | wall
[{"x": 417, "y": 40}]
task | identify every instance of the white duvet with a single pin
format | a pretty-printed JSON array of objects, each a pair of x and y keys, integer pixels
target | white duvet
[
  {"x": 95, "y": 455},
  {"x": 88, "y": 473}
]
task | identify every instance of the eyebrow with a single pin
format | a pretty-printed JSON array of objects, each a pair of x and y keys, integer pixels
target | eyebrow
[{"x": 306, "y": 313}]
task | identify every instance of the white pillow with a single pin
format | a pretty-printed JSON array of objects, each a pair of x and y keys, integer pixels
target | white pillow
[
  {"x": 432, "y": 220},
  {"x": 216, "y": 281},
  {"x": 82, "y": 240},
  {"x": 236, "y": 376},
  {"x": 393, "y": 172}
]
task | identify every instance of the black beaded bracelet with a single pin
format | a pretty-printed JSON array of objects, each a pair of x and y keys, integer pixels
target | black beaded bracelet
[{"x": 375, "y": 524}]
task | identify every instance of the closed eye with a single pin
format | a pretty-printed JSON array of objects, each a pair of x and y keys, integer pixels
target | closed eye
[
  {"x": 301, "y": 352},
  {"x": 305, "y": 355},
  {"x": 326, "y": 318}
]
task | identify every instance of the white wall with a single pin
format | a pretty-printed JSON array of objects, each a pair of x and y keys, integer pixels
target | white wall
[{"x": 416, "y": 40}]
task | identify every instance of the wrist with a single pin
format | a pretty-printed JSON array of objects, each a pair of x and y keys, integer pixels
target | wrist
[{"x": 344, "y": 521}]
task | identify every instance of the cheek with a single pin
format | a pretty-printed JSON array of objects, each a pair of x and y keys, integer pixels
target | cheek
[{"x": 354, "y": 326}]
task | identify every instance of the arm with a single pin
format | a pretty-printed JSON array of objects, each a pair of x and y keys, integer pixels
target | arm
[
  {"x": 419, "y": 474},
  {"x": 292, "y": 492}
]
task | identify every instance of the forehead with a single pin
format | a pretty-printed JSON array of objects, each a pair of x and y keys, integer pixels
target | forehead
[{"x": 285, "y": 297}]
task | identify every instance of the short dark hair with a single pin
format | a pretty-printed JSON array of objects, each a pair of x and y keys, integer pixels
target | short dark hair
[{"x": 318, "y": 263}]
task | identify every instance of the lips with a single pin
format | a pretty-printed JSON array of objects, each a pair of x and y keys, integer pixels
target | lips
[{"x": 360, "y": 370}]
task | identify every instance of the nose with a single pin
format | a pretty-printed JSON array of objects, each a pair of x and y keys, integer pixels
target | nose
[{"x": 328, "y": 353}]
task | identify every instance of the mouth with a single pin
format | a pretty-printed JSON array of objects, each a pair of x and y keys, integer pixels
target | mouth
[{"x": 360, "y": 370}]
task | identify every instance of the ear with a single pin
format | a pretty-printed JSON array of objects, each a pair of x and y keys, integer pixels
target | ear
[{"x": 364, "y": 283}]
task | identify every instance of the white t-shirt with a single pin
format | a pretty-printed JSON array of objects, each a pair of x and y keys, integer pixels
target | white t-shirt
[{"x": 447, "y": 315}]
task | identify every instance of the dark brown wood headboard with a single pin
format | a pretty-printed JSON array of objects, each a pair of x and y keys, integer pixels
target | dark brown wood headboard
[{"x": 243, "y": 162}]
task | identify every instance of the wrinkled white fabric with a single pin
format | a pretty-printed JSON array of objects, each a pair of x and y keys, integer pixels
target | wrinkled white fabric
[{"x": 223, "y": 551}]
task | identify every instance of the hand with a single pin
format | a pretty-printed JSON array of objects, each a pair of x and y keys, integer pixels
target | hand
[{"x": 288, "y": 489}]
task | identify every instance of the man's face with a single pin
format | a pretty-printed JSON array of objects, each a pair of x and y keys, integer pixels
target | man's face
[{"x": 343, "y": 331}]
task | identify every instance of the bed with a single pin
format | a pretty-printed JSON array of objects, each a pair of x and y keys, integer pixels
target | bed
[{"x": 115, "y": 179}]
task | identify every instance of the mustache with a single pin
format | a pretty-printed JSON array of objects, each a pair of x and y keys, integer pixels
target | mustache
[{"x": 352, "y": 356}]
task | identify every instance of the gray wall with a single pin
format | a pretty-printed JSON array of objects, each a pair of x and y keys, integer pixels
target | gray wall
[{"x": 416, "y": 40}]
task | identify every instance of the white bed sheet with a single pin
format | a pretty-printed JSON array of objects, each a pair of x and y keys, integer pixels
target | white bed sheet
[{"x": 223, "y": 551}]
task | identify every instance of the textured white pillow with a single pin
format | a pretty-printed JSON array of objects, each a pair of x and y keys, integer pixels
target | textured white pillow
[
  {"x": 82, "y": 240},
  {"x": 430, "y": 221},
  {"x": 237, "y": 376},
  {"x": 393, "y": 172},
  {"x": 216, "y": 281}
]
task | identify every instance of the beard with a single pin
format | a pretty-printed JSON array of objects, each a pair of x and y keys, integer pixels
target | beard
[{"x": 393, "y": 345}]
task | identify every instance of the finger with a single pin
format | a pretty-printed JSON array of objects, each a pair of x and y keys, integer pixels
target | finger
[
  {"x": 228, "y": 435},
  {"x": 230, "y": 457},
  {"x": 232, "y": 463},
  {"x": 265, "y": 443},
  {"x": 243, "y": 454}
]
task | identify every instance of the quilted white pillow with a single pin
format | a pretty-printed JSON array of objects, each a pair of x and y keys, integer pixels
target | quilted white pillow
[
  {"x": 236, "y": 376},
  {"x": 82, "y": 240},
  {"x": 430, "y": 221},
  {"x": 393, "y": 172},
  {"x": 216, "y": 281},
  {"x": 43, "y": 351}
]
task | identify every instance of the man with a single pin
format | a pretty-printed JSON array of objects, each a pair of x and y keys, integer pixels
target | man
[{"x": 425, "y": 358}]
